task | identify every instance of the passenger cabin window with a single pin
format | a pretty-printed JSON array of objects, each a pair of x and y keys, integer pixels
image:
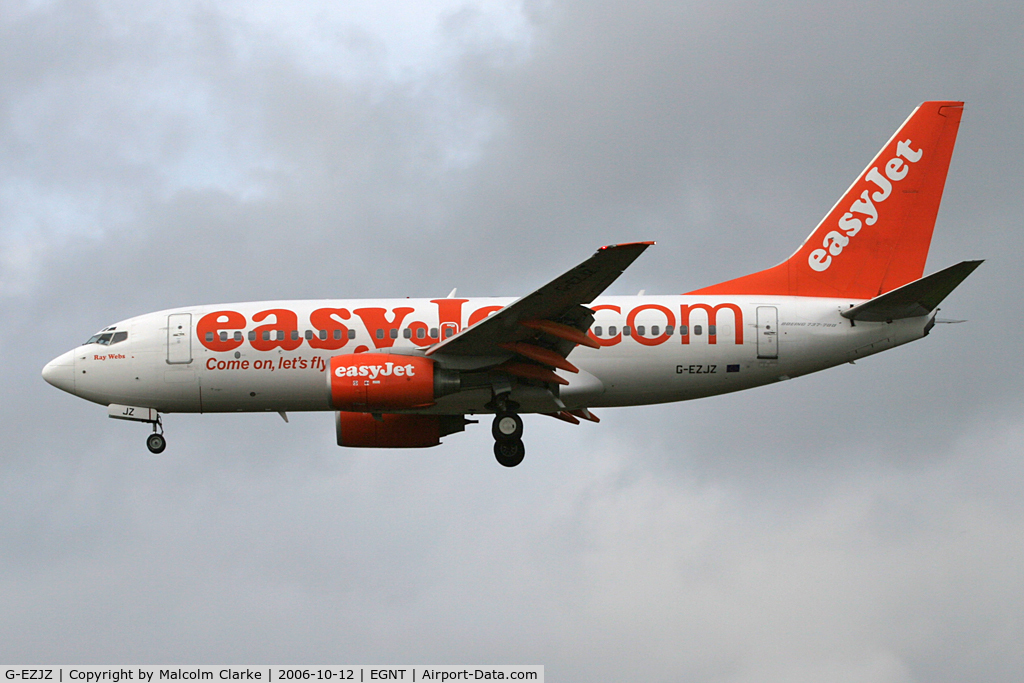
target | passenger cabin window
[
  {"x": 668, "y": 330},
  {"x": 655, "y": 330},
  {"x": 351, "y": 334},
  {"x": 407, "y": 333},
  {"x": 627, "y": 330},
  {"x": 421, "y": 333},
  {"x": 684, "y": 330},
  {"x": 393, "y": 333},
  {"x": 698, "y": 330},
  {"x": 433, "y": 333},
  {"x": 711, "y": 329},
  {"x": 597, "y": 331},
  {"x": 640, "y": 330},
  {"x": 252, "y": 335},
  {"x": 380, "y": 334},
  {"x": 337, "y": 334},
  {"x": 612, "y": 331}
]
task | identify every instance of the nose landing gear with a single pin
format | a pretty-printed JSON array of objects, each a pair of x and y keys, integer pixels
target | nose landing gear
[
  {"x": 155, "y": 442},
  {"x": 507, "y": 431}
]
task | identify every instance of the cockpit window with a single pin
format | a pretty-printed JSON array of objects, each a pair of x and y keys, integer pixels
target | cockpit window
[{"x": 106, "y": 338}]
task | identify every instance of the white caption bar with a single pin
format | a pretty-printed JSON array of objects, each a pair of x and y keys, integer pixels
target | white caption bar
[{"x": 275, "y": 674}]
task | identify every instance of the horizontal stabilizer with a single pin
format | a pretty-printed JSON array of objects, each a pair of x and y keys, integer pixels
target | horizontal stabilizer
[{"x": 918, "y": 298}]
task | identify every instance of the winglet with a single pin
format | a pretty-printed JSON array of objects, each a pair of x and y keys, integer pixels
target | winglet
[{"x": 628, "y": 244}]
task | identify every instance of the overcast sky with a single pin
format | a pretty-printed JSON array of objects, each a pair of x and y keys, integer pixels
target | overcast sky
[{"x": 862, "y": 524}]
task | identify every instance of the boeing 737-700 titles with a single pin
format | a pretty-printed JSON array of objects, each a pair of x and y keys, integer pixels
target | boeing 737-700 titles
[{"x": 403, "y": 373}]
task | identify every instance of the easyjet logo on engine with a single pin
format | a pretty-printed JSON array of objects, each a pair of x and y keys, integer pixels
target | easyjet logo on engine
[
  {"x": 865, "y": 206},
  {"x": 369, "y": 381},
  {"x": 373, "y": 371}
]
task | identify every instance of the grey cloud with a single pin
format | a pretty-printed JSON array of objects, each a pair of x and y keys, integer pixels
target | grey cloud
[{"x": 859, "y": 524}]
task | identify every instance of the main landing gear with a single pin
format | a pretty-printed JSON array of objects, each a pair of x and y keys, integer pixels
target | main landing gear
[{"x": 508, "y": 438}]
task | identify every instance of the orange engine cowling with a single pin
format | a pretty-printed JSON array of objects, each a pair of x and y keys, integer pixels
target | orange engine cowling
[
  {"x": 362, "y": 430},
  {"x": 381, "y": 381}
]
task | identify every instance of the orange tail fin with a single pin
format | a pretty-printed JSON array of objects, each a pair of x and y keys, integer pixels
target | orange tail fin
[{"x": 876, "y": 237}]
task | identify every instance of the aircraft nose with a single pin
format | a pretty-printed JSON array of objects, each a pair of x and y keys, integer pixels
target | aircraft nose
[{"x": 60, "y": 372}]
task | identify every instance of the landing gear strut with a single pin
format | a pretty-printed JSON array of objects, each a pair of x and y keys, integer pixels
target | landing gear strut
[
  {"x": 155, "y": 442},
  {"x": 508, "y": 438}
]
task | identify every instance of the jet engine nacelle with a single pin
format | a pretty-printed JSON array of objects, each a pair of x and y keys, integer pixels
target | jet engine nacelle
[
  {"x": 375, "y": 382},
  {"x": 363, "y": 430}
]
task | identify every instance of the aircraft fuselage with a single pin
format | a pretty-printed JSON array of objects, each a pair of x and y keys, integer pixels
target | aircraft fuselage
[{"x": 274, "y": 356}]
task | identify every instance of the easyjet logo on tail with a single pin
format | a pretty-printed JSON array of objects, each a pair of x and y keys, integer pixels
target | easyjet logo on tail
[{"x": 866, "y": 206}]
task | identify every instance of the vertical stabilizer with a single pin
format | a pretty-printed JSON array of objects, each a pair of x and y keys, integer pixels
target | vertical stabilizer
[{"x": 876, "y": 238}]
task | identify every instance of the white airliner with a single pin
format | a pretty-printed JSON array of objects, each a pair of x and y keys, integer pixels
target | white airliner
[{"x": 403, "y": 373}]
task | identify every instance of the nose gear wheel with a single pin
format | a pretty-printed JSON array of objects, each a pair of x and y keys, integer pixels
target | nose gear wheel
[{"x": 156, "y": 443}]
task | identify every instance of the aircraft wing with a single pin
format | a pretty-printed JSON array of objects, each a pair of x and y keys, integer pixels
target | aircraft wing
[{"x": 552, "y": 319}]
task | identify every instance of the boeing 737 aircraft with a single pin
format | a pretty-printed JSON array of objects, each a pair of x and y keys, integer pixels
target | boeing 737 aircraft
[{"x": 403, "y": 373}]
